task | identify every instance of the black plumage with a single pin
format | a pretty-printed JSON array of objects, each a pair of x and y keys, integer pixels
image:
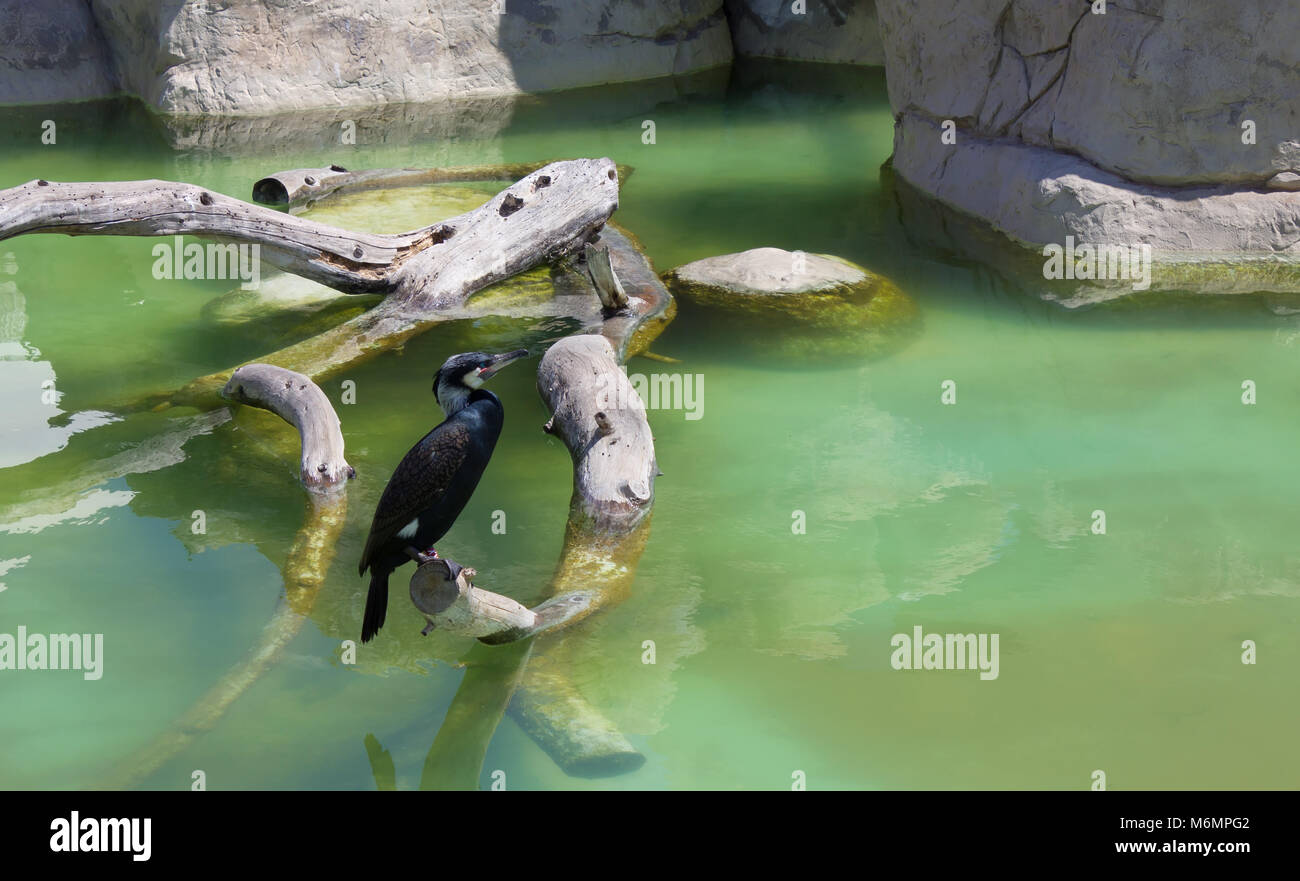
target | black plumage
[{"x": 434, "y": 481}]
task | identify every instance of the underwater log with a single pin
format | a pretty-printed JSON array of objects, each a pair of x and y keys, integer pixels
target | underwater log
[{"x": 299, "y": 402}]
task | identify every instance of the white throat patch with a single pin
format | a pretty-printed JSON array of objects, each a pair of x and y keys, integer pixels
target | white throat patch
[
  {"x": 472, "y": 379},
  {"x": 452, "y": 398}
]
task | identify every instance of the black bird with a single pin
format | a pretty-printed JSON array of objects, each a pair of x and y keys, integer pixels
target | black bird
[{"x": 435, "y": 479}]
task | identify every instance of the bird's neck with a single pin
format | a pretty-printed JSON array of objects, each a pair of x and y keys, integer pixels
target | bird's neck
[{"x": 456, "y": 398}]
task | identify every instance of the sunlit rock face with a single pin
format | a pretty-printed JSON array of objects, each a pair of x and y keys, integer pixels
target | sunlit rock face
[
  {"x": 834, "y": 31},
  {"x": 245, "y": 57},
  {"x": 1154, "y": 91},
  {"x": 1166, "y": 122}
]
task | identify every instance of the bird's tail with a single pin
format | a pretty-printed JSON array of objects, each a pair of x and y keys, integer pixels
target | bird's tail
[{"x": 376, "y": 604}]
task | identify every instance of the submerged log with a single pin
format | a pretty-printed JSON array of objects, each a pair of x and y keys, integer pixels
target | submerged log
[{"x": 298, "y": 401}]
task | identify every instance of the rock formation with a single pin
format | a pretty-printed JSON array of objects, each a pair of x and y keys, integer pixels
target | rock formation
[
  {"x": 1164, "y": 122},
  {"x": 250, "y": 58}
]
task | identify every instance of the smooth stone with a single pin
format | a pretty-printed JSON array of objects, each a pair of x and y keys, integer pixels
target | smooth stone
[{"x": 828, "y": 309}]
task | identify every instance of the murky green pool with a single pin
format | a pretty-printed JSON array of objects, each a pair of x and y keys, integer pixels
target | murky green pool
[{"x": 1119, "y": 652}]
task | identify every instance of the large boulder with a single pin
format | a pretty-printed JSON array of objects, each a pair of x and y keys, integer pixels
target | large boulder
[
  {"x": 244, "y": 57},
  {"x": 838, "y": 31},
  {"x": 52, "y": 51},
  {"x": 247, "y": 57},
  {"x": 796, "y": 306},
  {"x": 1154, "y": 91},
  {"x": 1166, "y": 123}
]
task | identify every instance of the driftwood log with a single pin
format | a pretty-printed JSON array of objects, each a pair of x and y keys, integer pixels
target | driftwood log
[
  {"x": 300, "y": 188},
  {"x": 443, "y": 591},
  {"x": 300, "y": 402},
  {"x": 544, "y": 215}
]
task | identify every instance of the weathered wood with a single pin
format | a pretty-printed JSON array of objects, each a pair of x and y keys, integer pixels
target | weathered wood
[
  {"x": 451, "y": 602},
  {"x": 602, "y": 420},
  {"x": 545, "y": 215},
  {"x": 299, "y": 188},
  {"x": 608, "y": 288},
  {"x": 347, "y": 261},
  {"x": 549, "y": 214},
  {"x": 650, "y": 307},
  {"x": 300, "y": 402}
]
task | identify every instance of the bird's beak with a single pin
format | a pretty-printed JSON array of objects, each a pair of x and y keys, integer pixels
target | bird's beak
[{"x": 499, "y": 361}]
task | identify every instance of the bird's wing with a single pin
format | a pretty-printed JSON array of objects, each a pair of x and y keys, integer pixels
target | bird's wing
[{"x": 421, "y": 478}]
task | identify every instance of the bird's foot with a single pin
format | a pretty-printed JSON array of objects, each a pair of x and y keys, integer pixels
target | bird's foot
[
  {"x": 429, "y": 628},
  {"x": 423, "y": 557}
]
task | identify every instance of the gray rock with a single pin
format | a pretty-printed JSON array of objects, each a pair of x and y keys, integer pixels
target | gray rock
[
  {"x": 839, "y": 31},
  {"x": 52, "y": 51},
  {"x": 1121, "y": 128},
  {"x": 798, "y": 306},
  {"x": 1155, "y": 91},
  {"x": 771, "y": 272},
  {"x": 1284, "y": 180},
  {"x": 189, "y": 57}
]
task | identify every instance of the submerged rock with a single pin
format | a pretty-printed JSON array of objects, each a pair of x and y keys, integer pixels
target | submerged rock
[{"x": 806, "y": 307}]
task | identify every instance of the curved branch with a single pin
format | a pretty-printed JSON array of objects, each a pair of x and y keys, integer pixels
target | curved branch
[
  {"x": 348, "y": 261},
  {"x": 547, "y": 214},
  {"x": 300, "y": 402}
]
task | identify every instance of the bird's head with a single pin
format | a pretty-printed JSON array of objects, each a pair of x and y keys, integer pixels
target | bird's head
[{"x": 461, "y": 374}]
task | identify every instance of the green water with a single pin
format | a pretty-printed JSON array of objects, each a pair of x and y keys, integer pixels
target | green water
[{"x": 1120, "y": 652}]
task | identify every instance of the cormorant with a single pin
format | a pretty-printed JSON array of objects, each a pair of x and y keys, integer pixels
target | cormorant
[{"x": 435, "y": 479}]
